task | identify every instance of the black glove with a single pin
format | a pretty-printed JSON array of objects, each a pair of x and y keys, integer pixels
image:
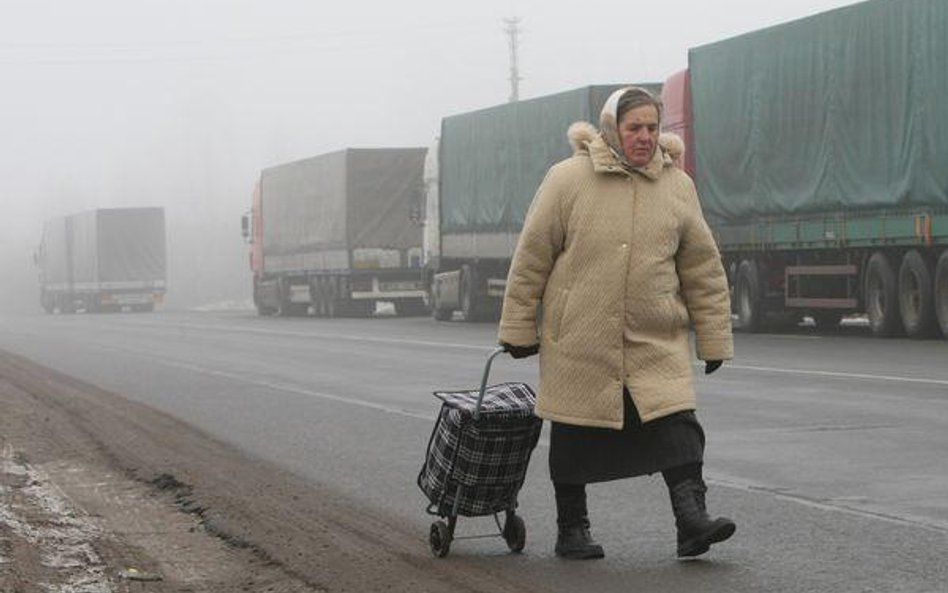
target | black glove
[
  {"x": 520, "y": 351},
  {"x": 712, "y": 365}
]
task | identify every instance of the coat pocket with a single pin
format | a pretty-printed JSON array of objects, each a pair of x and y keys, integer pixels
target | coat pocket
[
  {"x": 557, "y": 311},
  {"x": 661, "y": 317},
  {"x": 677, "y": 312}
]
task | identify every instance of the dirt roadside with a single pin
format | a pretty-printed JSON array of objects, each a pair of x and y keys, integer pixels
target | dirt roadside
[{"x": 99, "y": 494}]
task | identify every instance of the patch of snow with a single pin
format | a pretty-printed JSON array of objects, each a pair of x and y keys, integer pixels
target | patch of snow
[{"x": 63, "y": 534}]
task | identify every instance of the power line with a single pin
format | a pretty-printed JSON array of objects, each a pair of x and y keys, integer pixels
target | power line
[
  {"x": 513, "y": 31},
  {"x": 66, "y": 53}
]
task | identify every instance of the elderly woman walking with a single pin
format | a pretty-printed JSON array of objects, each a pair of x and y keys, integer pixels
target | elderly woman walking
[{"x": 616, "y": 253}]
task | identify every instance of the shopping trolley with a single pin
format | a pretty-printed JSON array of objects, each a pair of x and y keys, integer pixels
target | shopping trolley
[{"x": 477, "y": 458}]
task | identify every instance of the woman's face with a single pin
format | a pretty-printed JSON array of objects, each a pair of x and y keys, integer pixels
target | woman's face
[{"x": 638, "y": 132}]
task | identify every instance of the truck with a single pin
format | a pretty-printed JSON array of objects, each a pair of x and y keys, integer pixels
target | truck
[
  {"x": 102, "y": 260},
  {"x": 819, "y": 148},
  {"x": 335, "y": 234},
  {"x": 481, "y": 176}
]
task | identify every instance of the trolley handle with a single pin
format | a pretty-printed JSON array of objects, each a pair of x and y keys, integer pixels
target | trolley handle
[{"x": 480, "y": 396}]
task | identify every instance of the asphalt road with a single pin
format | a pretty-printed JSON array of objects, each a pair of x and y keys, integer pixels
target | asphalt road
[{"x": 828, "y": 450}]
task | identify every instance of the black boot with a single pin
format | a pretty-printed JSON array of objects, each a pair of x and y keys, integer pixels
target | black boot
[
  {"x": 573, "y": 539},
  {"x": 696, "y": 529},
  {"x": 575, "y": 542}
]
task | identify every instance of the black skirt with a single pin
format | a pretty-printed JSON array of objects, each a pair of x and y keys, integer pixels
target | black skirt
[{"x": 583, "y": 454}]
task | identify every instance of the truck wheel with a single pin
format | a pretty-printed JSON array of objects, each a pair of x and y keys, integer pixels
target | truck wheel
[
  {"x": 411, "y": 308},
  {"x": 827, "y": 319},
  {"x": 469, "y": 304},
  {"x": 66, "y": 305},
  {"x": 358, "y": 308},
  {"x": 331, "y": 295},
  {"x": 439, "y": 313},
  {"x": 317, "y": 296},
  {"x": 287, "y": 307},
  {"x": 916, "y": 297},
  {"x": 882, "y": 296},
  {"x": 259, "y": 297},
  {"x": 749, "y": 313},
  {"x": 941, "y": 292}
]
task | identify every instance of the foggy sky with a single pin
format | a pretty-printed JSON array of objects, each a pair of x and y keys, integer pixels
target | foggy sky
[{"x": 180, "y": 103}]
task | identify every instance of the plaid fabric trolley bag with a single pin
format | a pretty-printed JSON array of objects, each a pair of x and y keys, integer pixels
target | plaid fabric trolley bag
[{"x": 477, "y": 458}]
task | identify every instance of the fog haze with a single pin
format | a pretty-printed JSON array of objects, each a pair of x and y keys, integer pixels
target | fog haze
[{"x": 179, "y": 104}]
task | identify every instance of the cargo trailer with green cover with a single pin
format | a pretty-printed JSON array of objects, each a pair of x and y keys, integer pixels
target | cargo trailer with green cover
[
  {"x": 820, "y": 151},
  {"x": 483, "y": 174}
]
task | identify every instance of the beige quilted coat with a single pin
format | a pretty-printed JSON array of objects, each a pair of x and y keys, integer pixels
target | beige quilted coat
[{"x": 619, "y": 262}]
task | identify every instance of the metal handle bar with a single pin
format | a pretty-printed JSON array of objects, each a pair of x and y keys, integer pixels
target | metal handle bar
[{"x": 480, "y": 397}]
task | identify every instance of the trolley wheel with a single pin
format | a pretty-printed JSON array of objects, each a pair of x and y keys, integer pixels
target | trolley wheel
[
  {"x": 439, "y": 539},
  {"x": 515, "y": 533}
]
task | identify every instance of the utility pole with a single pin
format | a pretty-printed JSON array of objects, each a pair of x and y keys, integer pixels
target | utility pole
[{"x": 513, "y": 30}]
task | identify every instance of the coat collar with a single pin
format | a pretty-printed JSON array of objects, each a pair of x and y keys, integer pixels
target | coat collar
[{"x": 605, "y": 160}]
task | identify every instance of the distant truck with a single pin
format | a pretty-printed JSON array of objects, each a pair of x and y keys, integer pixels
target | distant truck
[
  {"x": 103, "y": 260},
  {"x": 481, "y": 176},
  {"x": 337, "y": 233},
  {"x": 820, "y": 152}
]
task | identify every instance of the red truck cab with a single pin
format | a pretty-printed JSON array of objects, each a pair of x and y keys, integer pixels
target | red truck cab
[{"x": 676, "y": 101}]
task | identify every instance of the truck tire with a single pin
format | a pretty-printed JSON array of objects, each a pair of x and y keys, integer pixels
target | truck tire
[
  {"x": 469, "y": 297},
  {"x": 941, "y": 293},
  {"x": 411, "y": 308},
  {"x": 287, "y": 307},
  {"x": 882, "y": 296},
  {"x": 363, "y": 308},
  {"x": 332, "y": 296},
  {"x": 355, "y": 308},
  {"x": 437, "y": 311},
  {"x": 916, "y": 297},
  {"x": 317, "y": 296},
  {"x": 66, "y": 305},
  {"x": 749, "y": 301},
  {"x": 827, "y": 319},
  {"x": 262, "y": 309}
]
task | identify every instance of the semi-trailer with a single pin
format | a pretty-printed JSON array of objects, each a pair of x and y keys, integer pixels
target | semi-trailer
[
  {"x": 101, "y": 260},
  {"x": 820, "y": 151},
  {"x": 337, "y": 233}
]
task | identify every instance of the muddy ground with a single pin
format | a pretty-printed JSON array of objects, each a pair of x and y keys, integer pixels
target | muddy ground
[{"x": 99, "y": 494}]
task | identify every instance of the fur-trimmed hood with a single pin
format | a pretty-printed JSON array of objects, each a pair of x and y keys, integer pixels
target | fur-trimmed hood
[{"x": 584, "y": 138}]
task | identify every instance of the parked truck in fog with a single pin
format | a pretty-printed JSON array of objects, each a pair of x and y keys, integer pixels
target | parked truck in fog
[
  {"x": 481, "y": 176},
  {"x": 820, "y": 151},
  {"x": 336, "y": 233},
  {"x": 103, "y": 260}
]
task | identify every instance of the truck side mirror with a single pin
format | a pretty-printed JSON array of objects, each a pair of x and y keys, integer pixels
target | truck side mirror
[{"x": 245, "y": 228}]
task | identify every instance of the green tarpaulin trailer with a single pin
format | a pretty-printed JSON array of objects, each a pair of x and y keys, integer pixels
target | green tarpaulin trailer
[
  {"x": 840, "y": 111},
  {"x": 820, "y": 152},
  {"x": 489, "y": 164}
]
